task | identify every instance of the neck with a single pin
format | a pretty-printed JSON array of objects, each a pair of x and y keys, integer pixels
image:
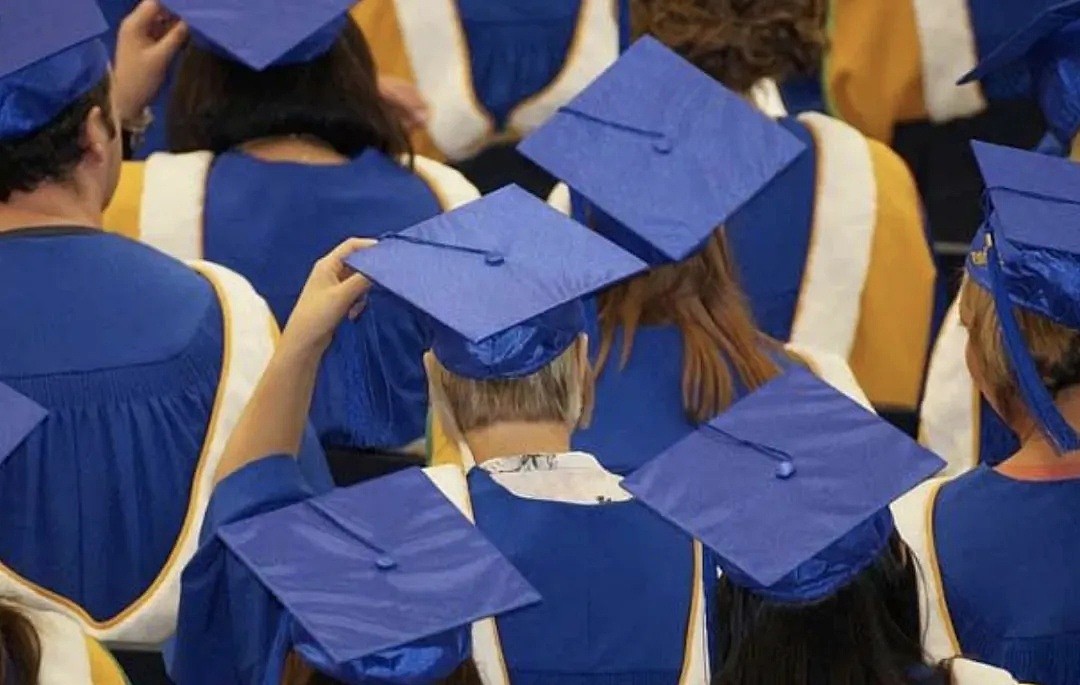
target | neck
[
  {"x": 298, "y": 149},
  {"x": 511, "y": 438},
  {"x": 1036, "y": 451},
  {"x": 48, "y": 205}
]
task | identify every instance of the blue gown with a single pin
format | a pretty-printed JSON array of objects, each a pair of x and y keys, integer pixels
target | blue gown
[
  {"x": 1007, "y": 551},
  {"x": 372, "y": 390},
  {"x": 123, "y": 346}
]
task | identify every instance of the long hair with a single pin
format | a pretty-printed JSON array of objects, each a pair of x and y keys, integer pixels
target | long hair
[
  {"x": 20, "y": 648},
  {"x": 739, "y": 42},
  {"x": 868, "y": 633},
  {"x": 1055, "y": 349},
  {"x": 297, "y": 672},
  {"x": 218, "y": 103},
  {"x": 701, "y": 295}
]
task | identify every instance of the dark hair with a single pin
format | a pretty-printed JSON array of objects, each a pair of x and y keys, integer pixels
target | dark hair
[
  {"x": 20, "y": 648},
  {"x": 218, "y": 103},
  {"x": 52, "y": 152},
  {"x": 868, "y": 633},
  {"x": 739, "y": 42},
  {"x": 297, "y": 672}
]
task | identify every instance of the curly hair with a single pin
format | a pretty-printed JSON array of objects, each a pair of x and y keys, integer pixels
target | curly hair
[{"x": 739, "y": 42}]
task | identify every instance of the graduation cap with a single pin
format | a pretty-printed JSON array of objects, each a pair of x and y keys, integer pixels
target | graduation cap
[
  {"x": 790, "y": 487},
  {"x": 1049, "y": 48},
  {"x": 50, "y": 56},
  {"x": 501, "y": 277},
  {"x": 264, "y": 33},
  {"x": 663, "y": 150},
  {"x": 1027, "y": 254},
  {"x": 19, "y": 416},
  {"x": 388, "y": 565}
]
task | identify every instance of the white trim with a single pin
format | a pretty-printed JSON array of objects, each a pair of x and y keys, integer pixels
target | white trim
[
  {"x": 438, "y": 53},
  {"x": 696, "y": 669},
  {"x": 448, "y": 184},
  {"x": 174, "y": 194},
  {"x": 910, "y": 514},
  {"x": 765, "y": 95},
  {"x": 966, "y": 672},
  {"x": 450, "y": 480},
  {"x": 834, "y": 370},
  {"x": 559, "y": 199},
  {"x": 65, "y": 659},
  {"x": 845, "y": 214},
  {"x": 947, "y": 43},
  {"x": 950, "y": 401},
  {"x": 594, "y": 48}
]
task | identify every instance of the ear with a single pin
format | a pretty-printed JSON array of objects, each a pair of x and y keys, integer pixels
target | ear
[{"x": 98, "y": 134}]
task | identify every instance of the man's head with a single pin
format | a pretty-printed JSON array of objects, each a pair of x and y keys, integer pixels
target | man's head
[{"x": 80, "y": 149}]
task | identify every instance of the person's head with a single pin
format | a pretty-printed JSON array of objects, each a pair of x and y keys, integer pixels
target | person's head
[
  {"x": 218, "y": 103},
  {"x": 739, "y": 42},
  {"x": 20, "y": 647},
  {"x": 558, "y": 394},
  {"x": 702, "y": 296},
  {"x": 79, "y": 149},
  {"x": 866, "y": 633},
  {"x": 1054, "y": 348},
  {"x": 298, "y": 672}
]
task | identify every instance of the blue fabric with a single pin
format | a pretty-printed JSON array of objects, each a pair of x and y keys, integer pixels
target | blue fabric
[
  {"x": 993, "y": 22},
  {"x": 1008, "y": 553},
  {"x": 803, "y": 94},
  {"x": 516, "y": 48},
  {"x": 371, "y": 391},
  {"x": 769, "y": 239},
  {"x": 997, "y": 442},
  {"x": 615, "y": 583}
]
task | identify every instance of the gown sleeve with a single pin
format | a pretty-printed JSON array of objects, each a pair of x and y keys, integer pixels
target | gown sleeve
[{"x": 229, "y": 624}]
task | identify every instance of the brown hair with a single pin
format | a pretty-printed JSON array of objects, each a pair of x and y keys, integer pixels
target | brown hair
[
  {"x": 218, "y": 103},
  {"x": 1055, "y": 348},
  {"x": 20, "y": 648},
  {"x": 700, "y": 295},
  {"x": 739, "y": 42},
  {"x": 297, "y": 672},
  {"x": 561, "y": 392}
]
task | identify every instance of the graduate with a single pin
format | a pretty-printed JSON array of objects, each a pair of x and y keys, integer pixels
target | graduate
[
  {"x": 955, "y": 422},
  {"x": 816, "y": 586},
  {"x": 1018, "y": 303},
  {"x": 138, "y": 364},
  {"x": 38, "y": 643},
  {"x": 492, "y": 72},
  {"x": 677, "y": 345},
  {"x": 284, "y": 149}
]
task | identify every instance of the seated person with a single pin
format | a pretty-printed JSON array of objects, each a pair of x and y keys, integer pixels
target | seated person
[
  {"x": 816, "y": 585},
  {"x": 138, "y": 363},
  {"x": 677, "y": 345},
  {"x": 998, "y": 543},
  {"x": 284, "y": 149},
  {"x": 492, "y": 72}
]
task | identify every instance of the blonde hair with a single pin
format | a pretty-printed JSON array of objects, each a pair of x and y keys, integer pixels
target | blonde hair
[
  {"x": 560, "y": 392},
  {"x": 702, "y": 297},
  {"x": 1054, "y": 347}
]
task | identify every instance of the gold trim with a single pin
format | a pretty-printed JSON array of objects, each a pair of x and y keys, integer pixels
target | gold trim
[
  {"x": 189, "y": 516},
  {"x": 696, "y": 596},
  {"x": 935, "y": 570}
]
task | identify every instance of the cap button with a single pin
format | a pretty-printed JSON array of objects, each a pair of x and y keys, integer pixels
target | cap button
[
  {"x": 663, "y": 144},
  {"x": 385, "y": 564},
  {"x": 494, "y": 259},
  {"x": 785, "y": 470}
]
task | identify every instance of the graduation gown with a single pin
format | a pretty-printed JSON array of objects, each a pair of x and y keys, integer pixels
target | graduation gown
[
  {"x": 998, "y": 558},
  {"x": 895, "y": 61},
  {"x": 956, "y": 422},
  {"x": 143, "y": 365},
  {"x": 588, "y": 558},
  {"x": 491, "y": 72},
  {"x": 371, "y": 390},
  {"x": 68, "y": 656}
]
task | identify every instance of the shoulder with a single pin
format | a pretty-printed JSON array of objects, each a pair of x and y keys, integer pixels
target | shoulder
[
  {"x": 450, "y": 187},
  {"x": 967, "y": 672},
  {"x": 834, "y": 137}
]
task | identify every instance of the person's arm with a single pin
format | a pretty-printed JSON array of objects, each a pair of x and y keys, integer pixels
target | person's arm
[{"x": 274, "y": 420}]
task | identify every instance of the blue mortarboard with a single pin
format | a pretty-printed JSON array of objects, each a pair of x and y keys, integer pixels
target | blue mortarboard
[
  {"x": 264, "y": 33},
  {"x": 19, "y": 416},
  {"x": 502, "y": 277},
  {"x": 790, "y": 487},
  {"x": 663, "y": 150},
  {"x": 381, "y": 581},
  {"x": 1049, "y": 47},
  {"x": 1027, "y": 254},
  {"x": 50, "y": 56}
]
